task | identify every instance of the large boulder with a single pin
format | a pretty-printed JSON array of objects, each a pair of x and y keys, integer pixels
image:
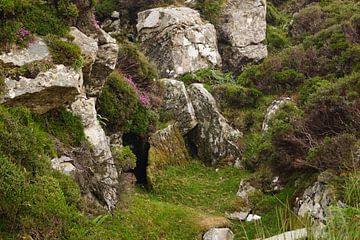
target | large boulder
[
  {"x": 89, "y": 49},
  {"x": 178, "y": 104},
  {"x": 104, "y": 64},
  {"x": 219, "y": 234},
  {"x": 242, "y": 32},
  {"x": 177, "y": 40},
  {"x": 47, "y": 91},
  {"x": 214, "y": 138},
  {"x": 105, "y": 172},
  {"x": 167, "y": 147}
]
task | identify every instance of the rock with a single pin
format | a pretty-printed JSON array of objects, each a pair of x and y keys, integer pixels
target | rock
[
  {"x": 252, "y": 217},
  {"x": 167, "y": 147},
  {"x": 105, "y": 63},
  {"x": 37, "y": 50},
  {"x": 241, "y": 32},
  {"x": 290, "y": 235},
  {"x": 115, "y": 15},
  {"x": 64, "y": 164},
  {"x": 213, "y": 137},
  {"x": 315, "y": 201},
  {"x": 275, "y": 185},
  {"x": 89, "y": 49},
  {"x": 105, "y": 173},
  {"x": 47, "y": 91},
  {"x": 244, "y": 189},
  {"x": 178, "y": 104},
  {"x": 219, "y": 234},
  {"x": 271, "y": 110},
  {"x": 241, "y": 216},
  {"x": 177, "y": 40}
]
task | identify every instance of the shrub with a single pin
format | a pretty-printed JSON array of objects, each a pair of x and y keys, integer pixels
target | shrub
[
  {"x": 207, "y": 76},
  {"x": 274, "y": 17},
  {"x": 276, "y": 39},
  {"x": 210, "y": 9},
  {"x": 105, "y": 7},
  {"x": 63, "y": 125},
  {"x": 258, "y": 151},
  {"x": 65, "y": 53},
  {"x": 235, "y": 96},
  {"x": 69, "y": 188},
  {"x": 310, "y": 87},
  {"x": 126, "y": 158}
]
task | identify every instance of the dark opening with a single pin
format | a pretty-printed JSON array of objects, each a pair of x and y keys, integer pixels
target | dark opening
[
  {"x": 190, "y": 141},
  {"x": 140, "y": 147}
]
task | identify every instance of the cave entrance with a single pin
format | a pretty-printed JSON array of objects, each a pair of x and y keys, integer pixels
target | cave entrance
[{"x": 140, "y": 146}]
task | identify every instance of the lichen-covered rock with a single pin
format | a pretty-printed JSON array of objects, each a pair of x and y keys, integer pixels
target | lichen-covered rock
[
  {"x": 104, "y": 64},
  {"x": 271, "y": 110},
  {"x": 37, "y": 50},
  {"x": 64, "y": 164},
  {"x": 177, "y": 40},
  {"x": 219, "y": 234},
  {"x": 47, "y": 91},
  {"x": 89, "y": 48},
  {"x": 167, "y": 147},
  {"x": 242, "y": 31},
  {"x": 105, "y": 171},
  {"x": 245, "y": 189},
  {"x": 213, "y": 137},
  {"x": 316, "y": 200},
  {"x": 178, "y": 104}
]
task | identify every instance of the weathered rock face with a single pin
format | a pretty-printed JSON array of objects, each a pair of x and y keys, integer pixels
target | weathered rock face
[
  {"x": 64, "y": 164},
  {"x": 271, "y": 110},
  {"x": 167, "y": 147},
  {"x": 89, "y": 48},
  {"x": 214, "y": 138},
  {"x": 37, "y": 50},
  {"x": 105, "y": 173},
  {"x": 242, "y": 31},
  {"x": 48, "y": 90},
  {"x": 178, "y": 104},
  {"x": 105, "y": 63},
  {"x": 316, "y": 199},
  {"x": 219, "y": 234},
  {"x": 177, "y": 40}
]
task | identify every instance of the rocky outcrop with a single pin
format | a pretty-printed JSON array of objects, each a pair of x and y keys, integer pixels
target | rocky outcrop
[
  {"x": 89, "y": 49},
  {"x": 178, "y": 104},
  {"x": 167, "y": 147},
  {"x": 271, "y": 110},
  {"x": 177, "y": 40},
  {"x": 241, "y": 32},
  {"x": 219, "y": 234},
  {"x": 104, "y": 64},
  {"x": 47, "y": 91},
  {"x": 37, "y": 50},
  {"x": 213, "y": 137},
  {"x": 105, "y": 172},
  {"x": 316, "y": 200},
  {"x": 64, "y": 164}
]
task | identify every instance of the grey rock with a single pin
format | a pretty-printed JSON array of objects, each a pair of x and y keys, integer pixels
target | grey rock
[
  {"x": 177, "y": 40},
  {"x": 245, "y": 189},
  {"x": 242, "y": 31},
  {"x": 105, "y": 173},
  {"x": 47, "y": 91},
  {"x": 37, "y": 50},
  {"x": 178, "y": 104},
  {"x": 253, "y": 217},
  {"x": 214, "y": 138},
  {"x": 64, "y": 164},
  {"x": 241, "y": 216},
  {"x": 272, "y": 109},
  {"x": 219, "y": 234},
  {"x": 115, "y": 14},
  {"x": 290, "y": 235}
]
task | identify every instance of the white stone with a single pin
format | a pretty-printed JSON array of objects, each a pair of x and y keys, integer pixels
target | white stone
[
  {"x": 252, "y": 217},
  {"x": 290, "y": 235},
  {"x": 219, "y": 234}
]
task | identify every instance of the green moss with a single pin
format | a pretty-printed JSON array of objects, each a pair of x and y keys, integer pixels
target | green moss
[
  {"x": 210, "y": 9},
  {"x": 207, "y": 76},
  {"x": 65, "y": 53},
  {"x": 126, "y": 158},
  {"x": 276, "y": 39},
  {"x": 275, "y": 17}
]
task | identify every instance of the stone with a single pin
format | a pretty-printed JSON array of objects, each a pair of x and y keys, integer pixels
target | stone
[
  {"x": 214, "y": 138},
  {"x": 177, "y": 40},
  {"x": 115, "y": 14},
  {"x": 272, "y": 109},
  {"x": 178, "y": 104},
  {"x": 219, "y": 234},
  {"x": 252, "y": 217},
  {"x": 245, "y": 189},
  {"x": 241, "y": 216},
  {"x": 47, "y": 91},
  {"x": 105, "y": 173},
  {"x": 290, "y": 235},
  {"x": 315, "y": 201},
  {"x": 167, "y": 147},
  {"x": 64, "y": 164},
  {"x": 36, "y": 51},
  {"x": 89, "y": 49},
  {"x": 242, "y": 32},
  {"x": 104, "y": 64}
]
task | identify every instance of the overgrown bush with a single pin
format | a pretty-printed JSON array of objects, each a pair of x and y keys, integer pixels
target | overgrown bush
[
  {"x": 207, "y": 76},
  {"x": 276, "y": 39},
  {"x": 126, "y": 158},
  {"x": 210, "y": 9}
]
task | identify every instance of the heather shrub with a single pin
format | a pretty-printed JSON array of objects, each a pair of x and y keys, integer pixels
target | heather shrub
[
  {"x": 207, "y": 76},
  {"x": 276, "y": 39}
]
